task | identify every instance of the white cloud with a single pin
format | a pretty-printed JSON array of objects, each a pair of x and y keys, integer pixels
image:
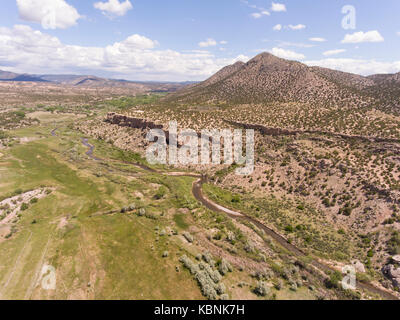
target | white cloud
[
  {"x": 296, "y": 27},
  {"x": 51, "y": 14},
  {"x": 223, "y": 42},
  {"x": 210, "y": 42},
  {"x": 398, "y": 33},
  {"x": 295, "y": 44},
  {"x": 138, "y": 42},
  {"x": 287, "y": 54},
  {"x": 114, "y": 7},
  {"x": 258, "y": 15},
  {"x": 333, "y": 52},
  {"x": 360, "y": 37},
  {"x": 23, "y": 49},
  {"x": 363, "y": 67},
  {"x": 278, "y": 7},
  {"x": 279, "y": 27},
  {"x": 318, "y": 39}
]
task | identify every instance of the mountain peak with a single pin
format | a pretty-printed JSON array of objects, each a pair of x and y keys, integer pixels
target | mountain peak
[
  {"x": 267, "y": 78},
  {"x": 267, "y": 57}
]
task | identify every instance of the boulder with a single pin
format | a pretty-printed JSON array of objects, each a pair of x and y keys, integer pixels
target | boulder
[
  {"x": 358, "y": 266},
  {"x": 393, "y": 273},
  {"x": 396, "y": 259}
]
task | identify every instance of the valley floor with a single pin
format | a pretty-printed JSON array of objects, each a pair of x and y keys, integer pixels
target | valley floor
[{"x": 112, "y": 228}]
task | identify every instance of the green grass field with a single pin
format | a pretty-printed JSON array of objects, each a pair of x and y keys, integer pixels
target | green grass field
[{"x": 96, "y": 255}]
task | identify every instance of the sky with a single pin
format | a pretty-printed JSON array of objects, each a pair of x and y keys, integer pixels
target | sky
[{"x": 189, "y": 40}]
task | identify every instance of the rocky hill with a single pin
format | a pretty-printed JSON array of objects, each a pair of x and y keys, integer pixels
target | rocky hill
[{"x": 267, "y": 78}]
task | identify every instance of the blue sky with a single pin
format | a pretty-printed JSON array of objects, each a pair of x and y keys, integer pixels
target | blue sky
[{"x": 191, "y": 39}]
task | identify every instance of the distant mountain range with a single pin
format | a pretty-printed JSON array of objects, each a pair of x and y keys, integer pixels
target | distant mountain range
[
  {"x": 89, "y": 81},
  {"x": 267, "y": 78}
]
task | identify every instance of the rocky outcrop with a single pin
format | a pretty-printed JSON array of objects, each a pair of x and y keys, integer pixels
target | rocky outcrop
[
  {"x": 270, "y": 131},
  {"x": 396, "y": 259},
  {"x": 358, "y": 266},
  {"x": 135, "y": 123},
  {"x": 393, "y": 273},
  {"x": 125, "y": 121}
]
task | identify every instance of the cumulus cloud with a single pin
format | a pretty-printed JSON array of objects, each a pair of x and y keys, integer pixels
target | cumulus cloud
[
  {"x": 360, "y": 37},
  {"x": 333, "y": 52},
  {"x": 318, "y": 39},
  {"x": 23, "y": 49},
  {"x": 114, "y": 7},
  {"x": 277, "y": 27},
  {"x": 51, "y": 14},
  {"x": 287, "y": 54},
  {"x": 258, "y": 15},
  {"x": 137, "y": 42},
  {"x": 296, "y": 27},
  {"x": 363, "y": 67},
  {"x": 278, "y": 7},
  {"x": 210, "y": 42}
]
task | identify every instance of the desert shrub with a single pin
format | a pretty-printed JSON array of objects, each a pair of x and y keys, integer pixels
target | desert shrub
[
  {"x": 20, "y": 114},
  {"x": 293, "y": 286},
  {"x": 34, "y": 200},
  {"x": 188, "y": 264},
  {"x": 278, "y": 285},
  {"x": 289, "y": 229},
  {"x": 208, "y": 258},
  {"x": 207, "y": 278},
  {"x": 346, "y": 210},
  {"x": 214, "y": 275},
  {"x": 334, "y": 280},
  {"x": 142, "y": 212},
  {"x": 208, "y": 291},
  {"x": 394, "y": 243},
  {"x": 24, "y": 206},
  {"x": 261, "y": 289},
  {"x": 220, "y": 288},
  {"x": 235, "y": 199},
  {"x": 161, "y": 192},
  {"x": 249, "y": 247},
  {"x": 224, "y": 267}
]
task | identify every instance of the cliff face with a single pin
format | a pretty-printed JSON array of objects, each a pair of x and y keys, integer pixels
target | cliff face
[
  {"x": 135, "y": 123},
  {"x": 124, "y": 121}
]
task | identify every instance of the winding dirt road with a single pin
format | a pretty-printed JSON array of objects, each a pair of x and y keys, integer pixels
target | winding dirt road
[{"x": 197, "y": 191}]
